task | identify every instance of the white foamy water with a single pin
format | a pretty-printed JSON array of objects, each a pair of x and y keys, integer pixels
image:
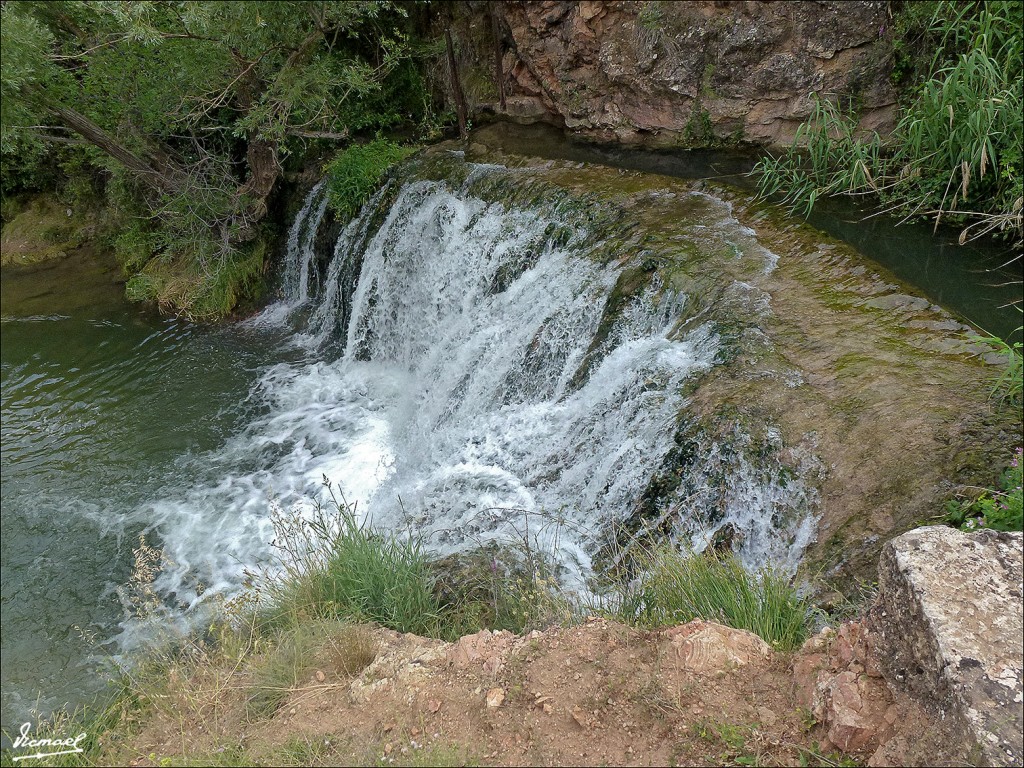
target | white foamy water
[{"x": 452, "y": 386}]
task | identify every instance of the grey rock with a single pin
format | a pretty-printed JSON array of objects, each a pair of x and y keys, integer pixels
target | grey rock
[{"x": 949, "y": 618}]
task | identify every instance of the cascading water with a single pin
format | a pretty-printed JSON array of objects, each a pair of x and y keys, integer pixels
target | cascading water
[
  {"x": 476, "y": 396},
  {"x": 462, "y": 377},
  {"x": 574, "y": 357}
]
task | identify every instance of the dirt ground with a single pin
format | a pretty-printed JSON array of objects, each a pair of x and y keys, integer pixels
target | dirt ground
[{"x": 598, "y": 694}]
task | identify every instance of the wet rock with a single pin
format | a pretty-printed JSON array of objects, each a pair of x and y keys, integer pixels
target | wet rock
[{"x": 950, "y": 628}]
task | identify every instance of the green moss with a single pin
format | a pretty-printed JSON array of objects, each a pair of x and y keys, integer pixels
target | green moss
[{"x": 357, "y": 171}]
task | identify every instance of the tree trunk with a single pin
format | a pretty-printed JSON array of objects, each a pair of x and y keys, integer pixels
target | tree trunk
[
  {"x": 164, "y": 180},
  {"x": 264, "y": 170},
  {"x": 499, "y": 75},
  {"x": 460, "y": 99}
]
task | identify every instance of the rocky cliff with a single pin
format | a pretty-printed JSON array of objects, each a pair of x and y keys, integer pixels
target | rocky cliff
[{"x": 674, "y": 74}]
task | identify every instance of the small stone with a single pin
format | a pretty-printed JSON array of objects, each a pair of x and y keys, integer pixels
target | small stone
[
  {"x": 547, "y": 708},
  {"x": 495, "y": 697},
  {"x": 766, "y": 716},
  {"x": 434, "y": 705},
  {"x": 320, "y": 676}
]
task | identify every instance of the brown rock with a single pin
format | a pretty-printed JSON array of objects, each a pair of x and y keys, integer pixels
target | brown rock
[
  {"x": 706, "y": 648},
  {"x": 853, "y": 708},
  {"x": 665, "y": 74}
]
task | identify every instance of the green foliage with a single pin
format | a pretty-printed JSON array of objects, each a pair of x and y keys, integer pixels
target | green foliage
[
  {"x": 956, "y": 151},
  {"x": 356, "y": 172},
  {"x": 675, "y": 588},
  {"x": 999, "y": 509},
  {"x": 1008, "y": 386},
  {"x": 201, "y": 284},
  {"x": 335, "y": 566},
  {"x": 193, "y": 106}
]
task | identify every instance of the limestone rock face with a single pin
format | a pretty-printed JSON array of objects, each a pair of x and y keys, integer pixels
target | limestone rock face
[
  {"x": 950, "y": 629},
  {"x": 678, "y": 73}
]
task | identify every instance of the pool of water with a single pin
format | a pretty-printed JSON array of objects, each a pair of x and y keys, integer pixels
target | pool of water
[{"x": 103, "y": 406}]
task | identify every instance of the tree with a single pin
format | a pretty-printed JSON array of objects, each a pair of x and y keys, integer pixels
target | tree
[{"x": 192, "y": 106}]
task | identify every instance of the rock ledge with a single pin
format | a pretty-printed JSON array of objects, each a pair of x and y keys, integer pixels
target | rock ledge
[{"x": 950, "y": 628}]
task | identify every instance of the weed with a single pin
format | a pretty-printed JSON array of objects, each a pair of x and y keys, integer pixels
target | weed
[
  {"x": 999, "y": 509},
  {"x": 357, "y": 171},
  {"x": 1008, "y": 386},
  {"x": 332, "y": 565}
]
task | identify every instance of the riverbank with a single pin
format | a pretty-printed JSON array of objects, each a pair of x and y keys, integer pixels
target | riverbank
[{"x": 595, "y": 690}]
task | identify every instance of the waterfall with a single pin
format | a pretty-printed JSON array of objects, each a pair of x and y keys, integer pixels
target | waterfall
[{"x": 475, "y": 372}]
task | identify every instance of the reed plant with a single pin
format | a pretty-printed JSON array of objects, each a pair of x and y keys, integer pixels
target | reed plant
[{"x": 956, "y": 151}]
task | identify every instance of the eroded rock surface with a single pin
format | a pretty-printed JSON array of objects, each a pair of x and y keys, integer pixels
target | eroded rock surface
[
  {"x": 673, "y": 73},
  {"x": 950, "y": 629}
]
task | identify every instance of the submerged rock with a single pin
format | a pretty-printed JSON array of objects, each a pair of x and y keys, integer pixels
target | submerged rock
[{"x": 950, "y": 630}]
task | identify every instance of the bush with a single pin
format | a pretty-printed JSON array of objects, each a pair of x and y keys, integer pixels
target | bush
[
  {"x": 998, "y": 509},
  {"x": 674, "y": 588},
  {"x": 334, "y": 566},
  {"x": 355, "y": 173}
]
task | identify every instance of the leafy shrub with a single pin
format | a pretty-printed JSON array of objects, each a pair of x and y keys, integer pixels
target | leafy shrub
[{"x": 355, "y": 173}]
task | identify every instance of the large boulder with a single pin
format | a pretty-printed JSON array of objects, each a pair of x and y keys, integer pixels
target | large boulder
[{"x": 950, "y": 629}]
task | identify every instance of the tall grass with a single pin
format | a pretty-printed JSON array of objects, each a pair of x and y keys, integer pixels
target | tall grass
[
  {"x": 956, "y": 152},
  {"x": 1008, "y": 385},
  {"x": 332, "y": 565},
  {"x": 674, "y": 588}
]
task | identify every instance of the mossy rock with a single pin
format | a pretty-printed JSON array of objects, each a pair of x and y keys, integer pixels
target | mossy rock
[{"x": 42, "y": 230}]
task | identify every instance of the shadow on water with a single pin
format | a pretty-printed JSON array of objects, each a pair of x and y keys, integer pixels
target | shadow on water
[{"x": 980, "y": 281}]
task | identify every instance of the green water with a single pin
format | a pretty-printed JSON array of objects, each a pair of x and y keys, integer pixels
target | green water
[{"x": 100, "y": 403}]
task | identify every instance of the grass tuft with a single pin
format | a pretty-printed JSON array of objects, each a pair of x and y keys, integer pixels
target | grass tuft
[{"x": 674, "y": 588}]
